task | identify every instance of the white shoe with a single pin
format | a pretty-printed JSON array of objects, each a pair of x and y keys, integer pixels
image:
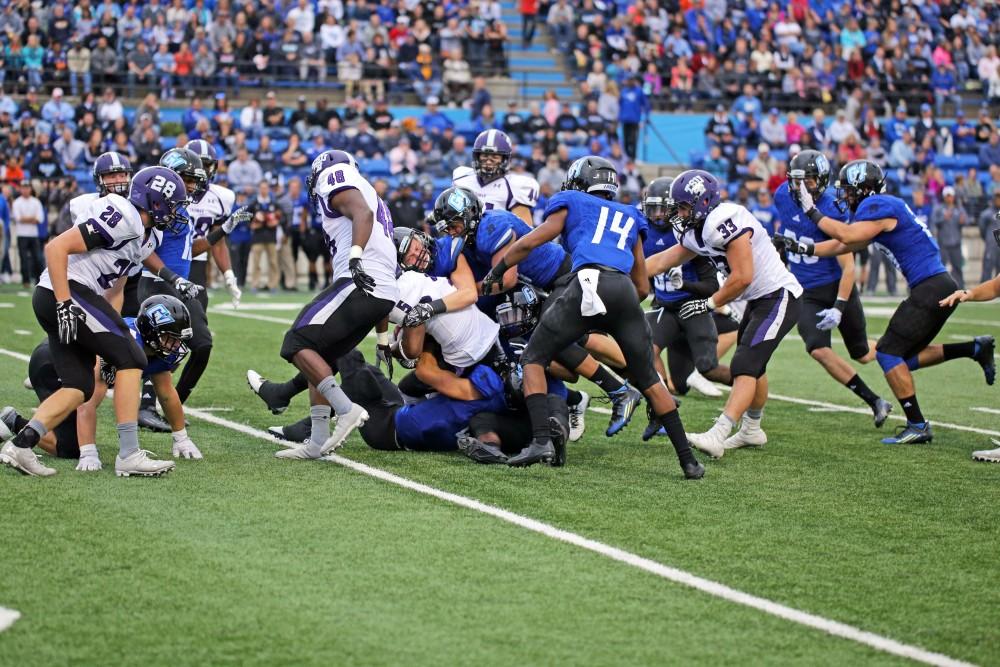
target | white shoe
[
  {"x": 346, "y": 424},
  {"x": 304, "y": 451},
  {"x": 139, "y": 464},
  {"x": 702, "y": 385},
  {"x": 577, "y": 414},
  {"x": 255, "y": 380},
  {"x": 28, "y": 385},
  {"x": 711, "y": 442},
  {"x": 24, "y": 460},
  {"x": 747, "y": 436},
  {"x": 988, "y": 455}
]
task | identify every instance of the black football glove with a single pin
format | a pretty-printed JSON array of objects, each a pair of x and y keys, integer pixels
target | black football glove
[
  {"x": 108, "y": 374},
  {"x": 693, "y": 308},
  {"x": 362, "y": 280},
  {"x": 793, "y": 246},
  {"x": 418, "y": 315},
  {"x": 187, "y": 289},
  {"x": 68, "y": 317},
  {"x": 383, "y": 355}
]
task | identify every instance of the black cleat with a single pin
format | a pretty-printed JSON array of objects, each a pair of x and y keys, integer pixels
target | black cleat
[
  {"x": 987, "y": 347},
  {"x": 911, "y": 434},
  {"x": 481, "y": 452},
  {"x": 535, "y": 452},
  {"x": 693, "y": 470},
  {"x": 297, "y": 432},
  {"x": 623, "y": 404},
  {"x": 881, "y": 411},
  {"x": 560, "y": 435},
  {"x": 151, "y": 420},
  {"x": 268, "y": 392},
  {"x": 654, "y": 428}
]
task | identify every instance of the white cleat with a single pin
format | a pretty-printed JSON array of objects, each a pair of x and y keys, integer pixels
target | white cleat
[
  {"x": 747, "y": 436},
  {"x": 703, "y": 385},
  {"x": 988, "y": 455},
  {"x": 255, "y": 380},
  {"x": 27, "y": 384},
  {"x": 577, "y": 415},
  {"x": 306, "y": 451},
  {"x": 346, "y": 424},
  {"x": 24, "y": 460},
  {"x": 711, "y": 442},
  {"x": 139, "y": 464}
]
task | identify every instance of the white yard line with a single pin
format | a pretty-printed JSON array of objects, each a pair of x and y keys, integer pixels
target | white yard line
[
  {"x": 7, "y": 617},
  {"x": 673, "y": 574},
  {"x": 992, "y": 411}
]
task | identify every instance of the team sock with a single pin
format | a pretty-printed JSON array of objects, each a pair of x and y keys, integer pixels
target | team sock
[
  {"x": 573, "y": 397},
  {"x": 128, "y": 439},
  {"x": 960, "y": 350},
  {"x": 538, "y": 410},
  {"x": 319, "y": 416},
  {"x": 912, "y": 410},
  {"x": 671, "y": 421},
  {"x": 724, "y": 425},
  {"x": 293, "y": 387},
  {"x": 858, "y": 386},
  {"x": 19, "y": 422},
  {"x": 606, "y": 381},
  {"x": 29, "y": 436},
  {"x": 334, "y": 395}
]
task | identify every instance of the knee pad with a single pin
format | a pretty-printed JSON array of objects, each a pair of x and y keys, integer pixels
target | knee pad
[
  {"x": 572, "y": 357},
  {"x": 888, "y": 361}
]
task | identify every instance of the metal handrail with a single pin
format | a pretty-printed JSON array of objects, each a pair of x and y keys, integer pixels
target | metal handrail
[{"x": 666, "y": 144}]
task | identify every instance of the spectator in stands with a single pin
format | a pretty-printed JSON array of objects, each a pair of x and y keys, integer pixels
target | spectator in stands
[
  {"x": 764, "y": 165},
  {"x": 405, "y": 205},
  {"x": 427, "y": 75},
  {"x": 140, "y": 67},
  {"x": 103, "y": 62},
  {"x": 184, "y": 67},
  {"x": 841, "y": 128},
  {"x": 634, "y": 108},
  {"x": 434, "y": 121},
  {"x": 252, "y": 118},
  {"x": 365, "y": 143},
  {"x": 147, "y": 147},
  {"x": 765, "y": 211},
  {"x": 28, "y": 216},
  {"x": 69, "y": 150},
  {"x": 536, "y": 125},
  {"x": 925, "y": 125},
  {"x": 78, "y": 64},
  {"x": 163, "y": 70},
  {"x": 268, "y": 159},
  {"x": 274, "y": 116},
  {"x": 192, "y": 115},
  {"x": 964, "y": 134},
  {"x": 876, "y": 152},
  {"x": 772, "y": 130},
  {"x": 851, "y": 149},
  {"x": 57, "y": 111},
  {"x": 529, "y": 16},
  {"x": 268, "y": 216},
  {"x": 481, "y": 97},
  {"x": 244, "y": 173},
  {"x": 514, "y": 123},
  {"x": 110, "y": 108},
  {"x": 988, "y": 69},
  {"x": 717, "y": 164},
  {"x": 984, "y": 125},
  {"x": 402, "y": 157},
  {"x": 311, "y": 58},
  {"x": 718, "y": 125},
  {"x": 990, "y": 153},
  {"x": 430, "y": 159},
  {"x": 457, "y": 78},
  {"x": 291, "y": 203},
  {"x": 795, "y": 132},
  {"x": 947, "y": 220},
  {"x": 205, "y": 66},
  {"x": 459, "y": 155},
  {"x": 560, "y": 22},
  {"x": 302, "y": 18},
  {"x": 294, "y": 156},
  {"x": 902, "y": 153},
  {"x": 989, "y": 222}
]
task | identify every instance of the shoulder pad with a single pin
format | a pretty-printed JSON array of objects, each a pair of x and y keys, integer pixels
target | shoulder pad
[
  {"x": 462, "y": 172},
  {"x": 525, "y": 189}
]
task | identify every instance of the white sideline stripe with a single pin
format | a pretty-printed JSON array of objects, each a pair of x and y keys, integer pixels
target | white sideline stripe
[
  {"x": 16, "y": 355},
  {"x": 6, "y": 304},
  {"x": 991, "y": 411},
  {"x": 22, "y": 332},
  {"x": 673, "y": 574},
  {"x": 7, "y": 617},
  {"x": 265, "y": 306}
]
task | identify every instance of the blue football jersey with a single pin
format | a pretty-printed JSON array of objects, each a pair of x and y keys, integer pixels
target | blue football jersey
[
  {"x": 175, "y": 250},
  {"x": 497, "y": 228},
  {"x": 155, "y": 364},
  {"x": 658, "y": 240},
  {"x": 432, "y": 424},
  {"x": 909, "y": 246},
  {"x": 809, "y": 271},
  {"x": 446, "y": 252},
  {"x": 598, "y": 231}
]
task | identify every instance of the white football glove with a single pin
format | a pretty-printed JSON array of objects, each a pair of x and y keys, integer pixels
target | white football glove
[
  {"x": 234, "y": 289},
  {"x": 88, "y": 459},
  {"x": 239, "y": 216},
  {"x": 805, "y": 199},
  {"x": 676, "y": 277},
  {"x": 829, "y": 319},
  {"x": 184, "y": 447}
]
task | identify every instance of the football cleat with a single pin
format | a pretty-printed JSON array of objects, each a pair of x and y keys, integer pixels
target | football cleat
[
  {"x": 693, "y": 470},
  {"x": 535, "y": 452},
  {"x": 8, "y": 423},
  {"x": 24, "y": 460},
  {"x": 988, "y": 455},
  {"x": 712, "y": 442},
  {"x": 479, "y": 451},
  {"x": 297, "y": 432},
  {"x": 577, "y": 415},
  {"x": 139, "y": 464},
  {"x": 881, "y": 411},
  {"x": 654, "y": 428},
  {"x": 559, "y": 432},
  {"x": 267, "y": 391},
  {"x": 27, "y": 384},
  {"x": 746, "y": 436},
  {"x": 702, "y": 385},
  {"x": 987, "y": 347},
  {"x": 346, "y": 424},
  {"x": 151, "y": 420},
  {"x": 911, "y": 434},
  {"x": 623, "y": 403}
]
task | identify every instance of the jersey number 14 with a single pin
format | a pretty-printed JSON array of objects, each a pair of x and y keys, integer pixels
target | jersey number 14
[{"x": 616, "y": 227}]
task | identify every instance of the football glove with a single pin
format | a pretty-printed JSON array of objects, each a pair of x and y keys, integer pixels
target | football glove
[
  {"x": 829, "y": 319},
  {"x": 89, "y": 462},
  {"x": 694, "y": 307},
  {"x": 187, "y": 289},
  {"x": 235, "y": 292},
  {"x": 108, "y": 374},
  {"x": 238, "y": 217},
  {"x": 805, "y": 199},
  {"x": 184, "y": 447},
  {"x": 383, "y": 355},
  {"x": 362, "y": 280},
  {"x": 676, "y": 277},
  {"x": 793, "y": 246},
  {"x": 418, "y": 315},
  {"x": 68, "y": 318},
  {"x": 494, "y": 278}
]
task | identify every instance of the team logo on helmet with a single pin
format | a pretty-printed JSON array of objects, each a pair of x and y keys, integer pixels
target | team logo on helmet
[
  {"x": 457, "y": 200},
  {"x": 159, "y": 315},
  {"x": 855, "y": 174},
  {"x": 822, "y": 164},
  {"x": 696, "y": 186}
]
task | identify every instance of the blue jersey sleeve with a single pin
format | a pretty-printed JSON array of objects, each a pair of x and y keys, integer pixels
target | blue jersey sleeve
[
  {"x": 557, "y": 202},
  {"x": 829, "y": 207},
  {"x": 496, "y": 229},
  {"x": 446, "y": 253},
  {"x": 486, "y": 381},
  {"x": 876, "y": 207}
]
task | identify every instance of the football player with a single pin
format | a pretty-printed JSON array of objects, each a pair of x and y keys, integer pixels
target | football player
[
  {"x": 608, "y": 276},
  {"x": 489, "y": 178},
  {"x": 488, "y": 236},
  {"x": 830, "y": 299},
  {"x": 732, "y": 238},
  {"x": 694, "y": 338},
  {"x": 85, "y": 262},
  {"x": 905, "y": 346},
  {"x": 358, "y": 230}
]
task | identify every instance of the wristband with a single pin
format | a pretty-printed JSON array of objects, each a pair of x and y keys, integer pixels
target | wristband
[
  {"x": 840, "y": 304},
  {"x": 500, "y": 268},
  {"x": 167, "y": 274},
  {"x": 383, "y": 337},
  {"x": 356, "y": 252},
  {"x": 88, "y": 450},
  {"x": 215, "y": 236},
  {"x": 710, "y": 302},
  {"x": 180, "y": 435},
  {"x": 815, "y": 215},
  {"x": 438, "y": 306}
]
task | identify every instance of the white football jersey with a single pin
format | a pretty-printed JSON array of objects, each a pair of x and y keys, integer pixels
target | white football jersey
[
  {"x": 379, "y": 258},
  {"x": 215, "y": 206},
  {"x": 504, "y": 193},
  {"x": 727, "y": 222},
  {"x": 114, "y": 218},
  {"x": 465, "y": 335}
]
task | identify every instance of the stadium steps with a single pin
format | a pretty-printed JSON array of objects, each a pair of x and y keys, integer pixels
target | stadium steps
[{"x": 534, "y": 69}]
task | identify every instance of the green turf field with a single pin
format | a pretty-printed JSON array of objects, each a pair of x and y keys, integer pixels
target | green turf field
[{"x": 246, "y": 560}]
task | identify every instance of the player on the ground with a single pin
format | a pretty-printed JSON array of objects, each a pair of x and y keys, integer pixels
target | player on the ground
[
  {"x": 603, "y": 238},
  {"x": 84, "y": 263},
  {"x": 830, "y": 299},
  {"x": 358, "y": 229},
  {"x": 488, "y": 236},
  {"x": 695, "y": 337},
  {"x": 489, "y": 178},
  {"x": 985, "y": 292},
  {"x": 905, "y": 346},
  {"x": 730, "y": 236}
]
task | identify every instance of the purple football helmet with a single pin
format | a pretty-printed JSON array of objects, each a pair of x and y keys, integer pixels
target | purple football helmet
[
  {"x": 160, "y": 192},
  {"x": 695, "y": 194},
  {"x": 323, "y": 161},
  {"x": 112, "y": 163},
  {"x": 491, "y": 142},
  {"x": 209, "y": 159}
]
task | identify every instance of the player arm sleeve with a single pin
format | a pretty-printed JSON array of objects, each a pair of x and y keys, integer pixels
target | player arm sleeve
[
  {"x": 708, "y": 279},
  {"x": 95, "y": 236}
]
